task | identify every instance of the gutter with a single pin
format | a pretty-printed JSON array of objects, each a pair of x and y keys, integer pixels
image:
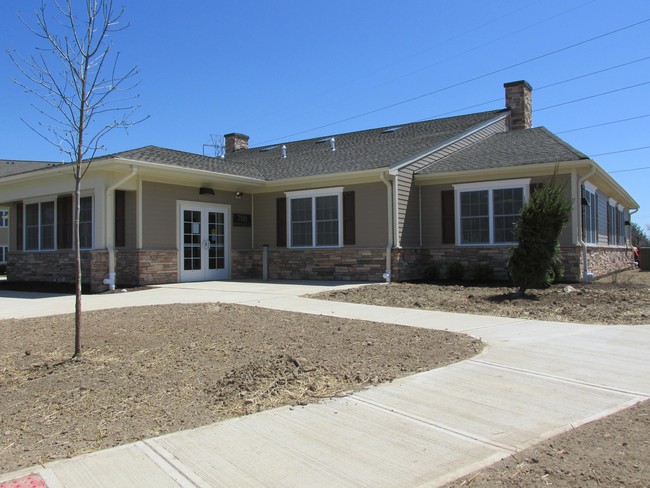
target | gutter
[
  {"x": 586, "y": 274},
  {"x": 389, "y": 244},
  {"x": 109, "y": 211}
]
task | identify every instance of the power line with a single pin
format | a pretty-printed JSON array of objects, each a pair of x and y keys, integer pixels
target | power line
[
  {"x": 602, "y": 124},
  {"x": 469, "y": 80},
  {"x": 622, "y": 151},
  {"x": 592, "y": 73},
  {"x": 439, "y": 44},
  {"x": 631, "y": 169},
  {"x": 593, "y": 96},
  {"x": 540, "y": 88}
]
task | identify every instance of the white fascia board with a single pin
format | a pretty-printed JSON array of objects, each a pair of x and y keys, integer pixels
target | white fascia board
[
  {"x": 318, "y": 181},
  {"x": 394, "y": 168},
  {"x": 526, "y": 170},
  {"x": 167, "y": 169}
]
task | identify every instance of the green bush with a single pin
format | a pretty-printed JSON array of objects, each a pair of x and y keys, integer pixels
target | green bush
[
  {"x": 535, "y": 261},
  {"x": 431, "y": 273},
  {"x": 456, "y": 271},
  {"x": 484, "y": 273}
]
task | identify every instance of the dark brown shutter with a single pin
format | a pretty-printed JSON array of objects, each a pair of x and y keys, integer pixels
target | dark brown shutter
[
  {"x": 120, "y": 218},
  {"x": 534, "y": 187},
  {"x": 349, "y": 231},
  {"x": 19, "y": 226},
  {"x": 448, "y": 220},
  {"x": 281, "y": 222},
  {"x": 64, "y": 222}
]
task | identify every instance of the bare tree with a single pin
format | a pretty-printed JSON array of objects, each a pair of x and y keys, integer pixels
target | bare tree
[{"x": 73, "y": 75}]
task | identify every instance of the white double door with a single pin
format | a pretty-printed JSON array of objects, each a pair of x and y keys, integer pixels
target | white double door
[{"x": 204, "y": 253}]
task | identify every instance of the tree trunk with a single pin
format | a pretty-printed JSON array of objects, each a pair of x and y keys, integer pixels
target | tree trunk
[{"x": 77, "y": 250}]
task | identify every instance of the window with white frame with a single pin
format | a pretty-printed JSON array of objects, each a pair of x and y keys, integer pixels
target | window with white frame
[
  {"x": 47, "y": 224},
  {"x": 39, "y": 226},
  {"x": 4, "y": 218},
  {"x": 86, "y": 222},
  {"x": 4, "y": 250},
  {"x": 314, "y": 218},
  {"x": 487, "y": 212},
  {"x": 612, "y": 224},
  {"x": 589, "y": 214}
]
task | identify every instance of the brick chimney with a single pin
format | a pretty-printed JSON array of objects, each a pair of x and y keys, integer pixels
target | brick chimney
[
  {"x": 235, "y": 142},
  {"x": 519, "y": 100}
]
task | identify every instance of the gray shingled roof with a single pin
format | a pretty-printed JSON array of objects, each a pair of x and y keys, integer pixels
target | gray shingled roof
[
  {"x": 160, "y": 155},
  {"x": 356, "y": 151},
  {"x": 504, "y": 149},
  {"x": 8, "y": 168}
]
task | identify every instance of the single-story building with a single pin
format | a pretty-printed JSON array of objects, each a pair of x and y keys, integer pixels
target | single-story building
[
  {"x": 9, "y": 168},
  {"x": 372, "y": 205}
]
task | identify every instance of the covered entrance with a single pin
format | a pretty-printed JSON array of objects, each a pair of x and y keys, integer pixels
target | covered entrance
[{"x": 204, "y": 253}]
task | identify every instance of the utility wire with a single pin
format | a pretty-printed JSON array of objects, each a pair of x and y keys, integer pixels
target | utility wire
[
  {"x": 469, "y": 80},
  {"x": 631, "y": 169},
  {"x": 592, "y": 96},
  {"x": 622, "y": 151},
  {"x": 539, "y": 88},
  {"x": 602, "y": 124},
  {"x": 434, "y": 46}
]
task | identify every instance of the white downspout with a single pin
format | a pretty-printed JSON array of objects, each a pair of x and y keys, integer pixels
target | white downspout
[
  {"x": 389, "y": 244},
  {"x": 581, "y": 242},
  {"x": 109, "y": 223}
]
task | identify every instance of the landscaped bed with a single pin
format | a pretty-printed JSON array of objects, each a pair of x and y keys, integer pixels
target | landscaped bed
[{"x": 619, "y": 299}]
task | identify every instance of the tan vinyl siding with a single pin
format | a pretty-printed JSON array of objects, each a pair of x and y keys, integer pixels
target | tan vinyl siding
[
  {"x": 264, "y": 218},
  {"x": 432, "y": 214},
  {"x": 408, "y": 208},
  {"x": 371, "y": 216},
  {"x": 159, "y": 213},
  {"x": 408, "y": 196}
]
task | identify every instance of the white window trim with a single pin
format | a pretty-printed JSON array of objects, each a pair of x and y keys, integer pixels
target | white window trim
[
  {"x": 490, "y": 186},
  {"x": 4, "y": 250},
  {"x": 92, "y": 220},
  {"x": 320, "y": 192},
  {"x": 38, "y": 201},
  {"x": 4, "y": 218}
]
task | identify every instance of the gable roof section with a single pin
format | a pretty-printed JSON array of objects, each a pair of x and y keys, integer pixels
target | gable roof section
[
  {"x": 9, "y": 168},
  {"x": 508, "y": 149},
  {"x": 356, "y": 151}
]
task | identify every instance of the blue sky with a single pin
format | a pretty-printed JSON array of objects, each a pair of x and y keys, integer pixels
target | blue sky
[{"x": 276, "y": 70}]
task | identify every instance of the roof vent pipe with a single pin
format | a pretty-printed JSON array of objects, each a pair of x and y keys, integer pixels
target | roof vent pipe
[
  {"x": 333, "y": 144},
  {"x": 284, "y": 151}
]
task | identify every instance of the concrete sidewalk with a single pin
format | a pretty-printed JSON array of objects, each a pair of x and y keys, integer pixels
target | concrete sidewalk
[{"x": 534, "y": 380}]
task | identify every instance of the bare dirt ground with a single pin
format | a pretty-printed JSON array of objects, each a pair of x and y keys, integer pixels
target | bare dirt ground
[
  {"x": 608, "y": 453},
  {"x": 611, "y": 452},
  {"x": 619, "y": 299},
  {"x": 153, "y": 370}
]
